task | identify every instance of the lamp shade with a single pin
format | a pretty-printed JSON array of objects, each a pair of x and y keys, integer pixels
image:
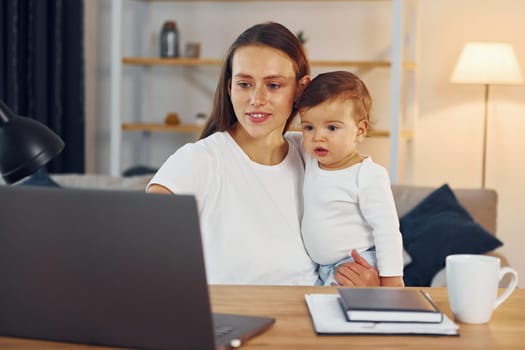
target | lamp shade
[
  {"x": 487, "y": 63},
  {"x": 25, "y": 145}
]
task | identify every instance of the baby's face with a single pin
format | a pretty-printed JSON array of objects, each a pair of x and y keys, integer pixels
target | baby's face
[{"x": 331, "y": 133}]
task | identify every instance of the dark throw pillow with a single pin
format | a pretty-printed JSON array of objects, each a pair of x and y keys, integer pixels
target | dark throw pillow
[{"x": 437, "y": 227}]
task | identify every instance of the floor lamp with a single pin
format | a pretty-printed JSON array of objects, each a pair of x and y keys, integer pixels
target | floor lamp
[{"x": 486, "y": 63}]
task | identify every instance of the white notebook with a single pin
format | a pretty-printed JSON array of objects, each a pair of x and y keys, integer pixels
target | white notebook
[{"x": 328, "y": 318}]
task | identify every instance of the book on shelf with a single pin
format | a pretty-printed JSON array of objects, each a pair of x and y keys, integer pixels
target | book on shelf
[
  {"x": 328, "y": 318},
  {"x": 388, "y": 305}
]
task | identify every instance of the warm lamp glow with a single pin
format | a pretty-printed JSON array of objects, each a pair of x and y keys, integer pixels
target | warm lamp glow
[{"x": 487, "y": 63}]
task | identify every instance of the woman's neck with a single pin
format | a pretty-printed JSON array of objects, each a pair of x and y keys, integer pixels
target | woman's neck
[{"x": 268, "y": 150}]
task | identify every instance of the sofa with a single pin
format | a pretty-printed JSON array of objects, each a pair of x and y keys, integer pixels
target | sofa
[{"x": 424, "y": 255}]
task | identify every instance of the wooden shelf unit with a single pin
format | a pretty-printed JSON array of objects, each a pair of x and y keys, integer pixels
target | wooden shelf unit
[
  {"x": 194, "y": 128},
  {"x": 397, "y": 65}
]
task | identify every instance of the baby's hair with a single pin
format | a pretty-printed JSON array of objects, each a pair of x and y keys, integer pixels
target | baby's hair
[{"x": 338, "y": 85}]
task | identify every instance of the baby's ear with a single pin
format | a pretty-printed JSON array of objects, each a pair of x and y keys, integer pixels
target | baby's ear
[{"x": 362, "y": 128}]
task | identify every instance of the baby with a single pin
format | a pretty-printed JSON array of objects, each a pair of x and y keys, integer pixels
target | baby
[{"x": 348, "y": 200}]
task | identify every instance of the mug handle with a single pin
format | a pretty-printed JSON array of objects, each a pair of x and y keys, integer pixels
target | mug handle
[{"x": 510, "y": 288}]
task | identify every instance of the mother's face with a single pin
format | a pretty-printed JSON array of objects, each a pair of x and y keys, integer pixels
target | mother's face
[{"x": 262, "y": 89}]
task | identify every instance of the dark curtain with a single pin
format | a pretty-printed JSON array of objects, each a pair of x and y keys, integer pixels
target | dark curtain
[{"x": 42, "y": 70}]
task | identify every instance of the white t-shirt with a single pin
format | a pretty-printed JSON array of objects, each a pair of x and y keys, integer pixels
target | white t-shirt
[
  {"x": 250, "y": 213},
  {"x": 351, "y": 208}
]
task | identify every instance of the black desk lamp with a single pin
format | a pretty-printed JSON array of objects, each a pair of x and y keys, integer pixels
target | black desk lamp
[{"x": 25, "y": 145}]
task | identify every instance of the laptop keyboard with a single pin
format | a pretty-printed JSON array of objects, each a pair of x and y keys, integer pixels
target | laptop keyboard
[{"x": 222, "y": 330}]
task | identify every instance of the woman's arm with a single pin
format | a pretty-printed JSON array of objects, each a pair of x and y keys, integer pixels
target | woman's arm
[
  {"x": 357, "y": 274},
  {"x": 392, "y": 281},
  {"x": 185, "y": 172}
]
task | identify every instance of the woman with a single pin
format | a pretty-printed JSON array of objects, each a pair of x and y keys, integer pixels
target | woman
[{"x": 247, "y": 174}]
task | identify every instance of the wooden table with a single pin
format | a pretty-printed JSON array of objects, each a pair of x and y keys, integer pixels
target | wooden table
[{"x": 293, "y": 328}]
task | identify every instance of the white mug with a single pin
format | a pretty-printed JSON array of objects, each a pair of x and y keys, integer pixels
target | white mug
[{"x": 472, "y": 283}]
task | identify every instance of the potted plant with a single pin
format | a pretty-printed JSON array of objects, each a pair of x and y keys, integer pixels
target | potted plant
[{"x": 301, "y": 37}]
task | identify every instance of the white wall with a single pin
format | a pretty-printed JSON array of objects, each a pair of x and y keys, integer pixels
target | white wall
[
  {"x": 448, "y": 132},
  {"x": 449, "y": 129}
]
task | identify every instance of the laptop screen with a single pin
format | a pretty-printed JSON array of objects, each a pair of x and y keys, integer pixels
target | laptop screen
[{"x": 103, "y": 267}]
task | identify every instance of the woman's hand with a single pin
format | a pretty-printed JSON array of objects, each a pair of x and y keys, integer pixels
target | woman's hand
[
  {"x": 357, "y": 274},
  {"x": 154, "y": 188}
]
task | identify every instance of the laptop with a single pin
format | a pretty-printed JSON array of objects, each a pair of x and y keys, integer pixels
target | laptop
[{"x": 111, "y": 268}]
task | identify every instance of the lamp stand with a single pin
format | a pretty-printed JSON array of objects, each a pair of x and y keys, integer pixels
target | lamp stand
[{"x": 484, "y": 154}]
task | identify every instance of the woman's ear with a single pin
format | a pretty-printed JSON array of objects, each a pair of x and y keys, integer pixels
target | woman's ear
[
  {"x": 362, "y": 128},
  {"x": 301, "y": 85}
]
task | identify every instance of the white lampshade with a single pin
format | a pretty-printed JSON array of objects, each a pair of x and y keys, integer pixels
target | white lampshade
[{"x": 487, "y": 63}]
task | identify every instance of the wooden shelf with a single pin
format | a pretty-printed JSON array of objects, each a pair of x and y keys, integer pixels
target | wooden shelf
[
  {"x": 194, "y": 128},
  {"x": 159, "y": 127},
  {"x": 183, "y": 61}
]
